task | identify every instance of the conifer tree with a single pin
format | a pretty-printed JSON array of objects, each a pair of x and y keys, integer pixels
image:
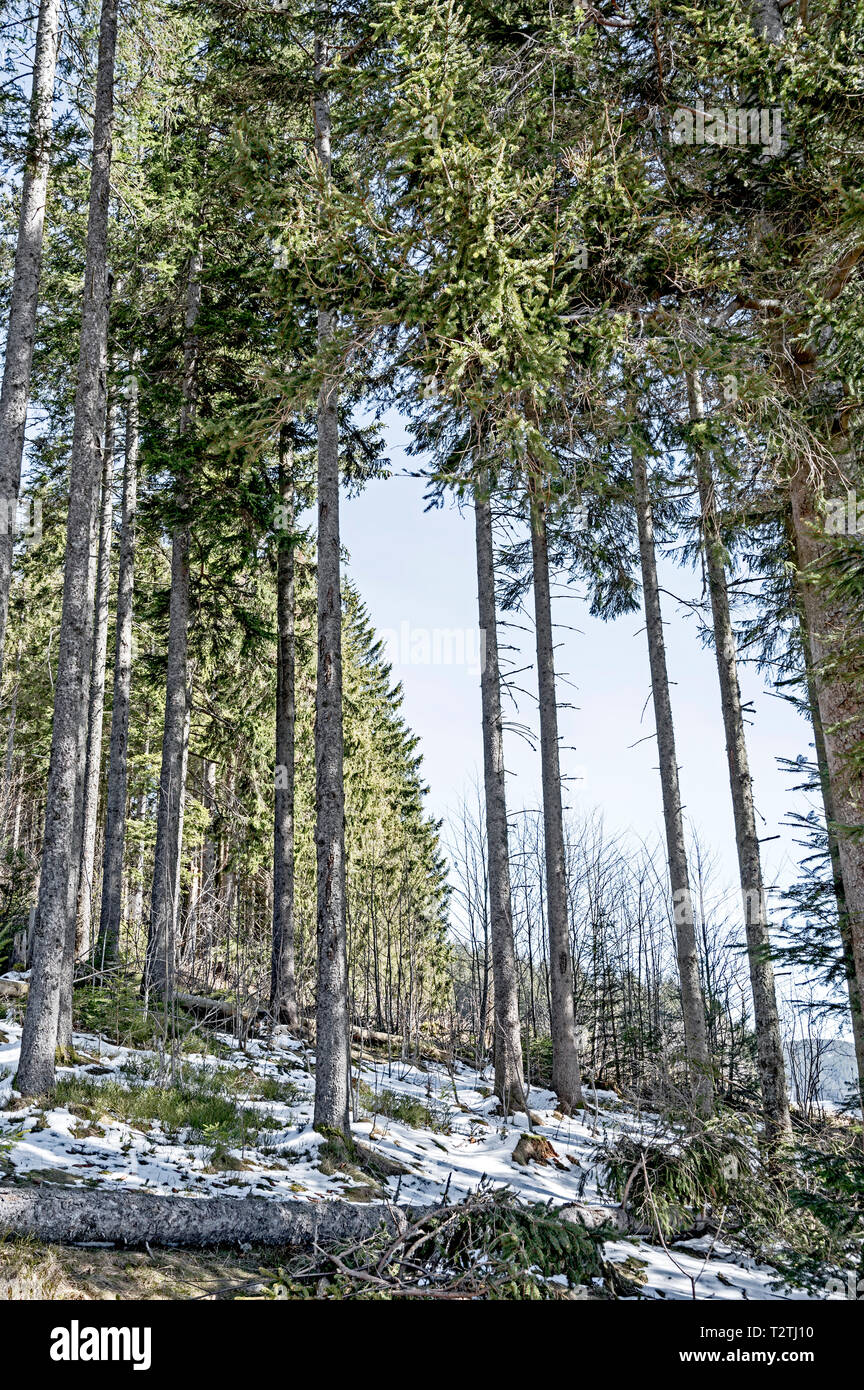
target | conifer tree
[
  {"x": 118, "y": 762},
  {"x": 21, "y": 329},
  {"x": 507, "y": 1043},
  {"x": 693, "y": 1004},
  {"x": 55, "y": 934}
]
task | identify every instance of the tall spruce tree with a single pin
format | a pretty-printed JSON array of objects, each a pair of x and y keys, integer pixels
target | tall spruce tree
[{"x": 55, "y": 933}]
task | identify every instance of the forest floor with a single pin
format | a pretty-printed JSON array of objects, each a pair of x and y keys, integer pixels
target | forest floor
[{"x": 237, "y": 1121}]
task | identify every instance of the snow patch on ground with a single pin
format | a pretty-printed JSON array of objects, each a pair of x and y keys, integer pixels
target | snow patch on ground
[{"x": 468, "y": 1144}]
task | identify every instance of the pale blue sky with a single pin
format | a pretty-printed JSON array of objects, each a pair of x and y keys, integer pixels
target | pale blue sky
[{"x": 418, "y": 569}]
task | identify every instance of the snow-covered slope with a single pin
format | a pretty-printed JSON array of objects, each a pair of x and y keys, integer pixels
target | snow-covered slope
[{"x": 464, "y": 1142}]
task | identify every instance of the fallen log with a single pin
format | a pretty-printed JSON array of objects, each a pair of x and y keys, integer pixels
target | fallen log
[
  {"x": 137, "y": 1218},
  {"x": 229, "y": 1009},
  {"x": 368, "y": 1036},
  {"x": 219, "y": 1008},
  {"x": 253, "y": 1008},
  {"x": 75, "y": 1217},
  {"x": 14, "y": 989}
]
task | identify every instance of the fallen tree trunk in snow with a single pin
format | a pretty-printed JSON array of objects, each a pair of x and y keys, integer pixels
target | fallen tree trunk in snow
[
  {"x": 72, "y": 1217},
  {"x": 14, "y": 989},
  {"x": 365, "y": 1036},
  {"x": 228, "y": 1009}
]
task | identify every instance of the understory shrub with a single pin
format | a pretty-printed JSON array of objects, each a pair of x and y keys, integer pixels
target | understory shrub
[
  {"x": 665, "y": 1184},
  {"x": 116, "y": 1011},
  {"x": 489, "y": 1246}
]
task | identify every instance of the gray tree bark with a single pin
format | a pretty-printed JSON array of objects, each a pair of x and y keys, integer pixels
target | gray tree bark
[
  {"x": 838, "y": 697},
  {"x": 93, "y": 766},
  {"x": 837, "y": 704},
  {"x": 692, "y": 1002},
  {"x": 21, "y": 330},
  {"x": 118, "y": 763},
  {"x": 9, "y": 764},
  {"x": 136, "y": 1218},
  {"x": 139, "y": 1218},
  {"x": 283, "y": 987},
  {"x": 59, "y": 866},
  {"x": 67, "y": 977},
  {"x": 846, "y": 941},
  {"x": 209, "y": 857},
  {"x": 566, "y": 1077},
  {"x": 507, "y": 1041},
  {"x": 768, "y": 20},
  {"x": 772, "y": 1071},
  {"x": 333, "y": 1057},
  {"x": 161, "y": 941}
]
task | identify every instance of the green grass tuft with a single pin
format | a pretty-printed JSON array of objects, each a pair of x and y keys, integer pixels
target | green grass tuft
[
  {"x": 406, "y": 1109},
  {"x": 201, "y": 1112}
]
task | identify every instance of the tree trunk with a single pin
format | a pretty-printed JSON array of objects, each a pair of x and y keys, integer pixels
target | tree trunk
[
  {"x": 136, "y": 893},
  {"x": 283, "y": 989},
  {"x": 93, "y": 768},
  {"x": 9, "y": 765},
  {"x": 507, "y": 1045},
  {"x": 772, "y": 1072},
  {"x": 838, "y": 727},
  {"x": 21, "y": 330},
  {"x": 768, "y": 20},
  {"x": 67, "y": 978},
  {"x": 118, "y": 764},
  {"x": 146, "y": 1218},
  {"x": 566, "y": 1079},
  {"x": 692, "y": 1003},
  {"x": 39, "y": 1039},
  {"x": 838, "y": 696},
  {"x": 161, "y": 941},
  {"x": 209, "y": 857},
  {"x": 846, "y": 941},
  {"x": 835, "y": 703},
  {"x": 333, "y": 1059}
]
